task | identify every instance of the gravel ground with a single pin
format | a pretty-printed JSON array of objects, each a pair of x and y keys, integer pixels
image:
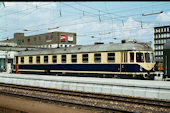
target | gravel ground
[
  {"x": 29, "y": 106},
  {"x": 90, "y": 101}
]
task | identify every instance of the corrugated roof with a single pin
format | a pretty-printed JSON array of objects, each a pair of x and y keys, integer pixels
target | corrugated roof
[
  {"x": 91, "y": 48},
  {"x": 6, "y": 48}
]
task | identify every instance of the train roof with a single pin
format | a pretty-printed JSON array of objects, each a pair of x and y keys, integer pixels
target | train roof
[
  {"x": 91, "y": 48},
  {"x": 167, "y": 44}
]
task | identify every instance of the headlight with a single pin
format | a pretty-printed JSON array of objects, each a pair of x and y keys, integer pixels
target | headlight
[
  {"x": 141, "y": 69},
  {"x": 153, "y": 69}
]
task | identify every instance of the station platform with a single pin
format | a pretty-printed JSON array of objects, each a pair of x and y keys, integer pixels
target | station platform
[{"x": 129, "y": 87}]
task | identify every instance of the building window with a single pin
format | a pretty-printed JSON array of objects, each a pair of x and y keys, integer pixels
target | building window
[
  {"x": 55, "y": 59},
  {"x": 156, "y": 36},
  {"x": 22, "y": 40},
  {"x": 52, "y": 36},
  {"x": 158, "y": 47},
  {"x": 22, "y": 60},
  {"x": 164, "y": 35},
  {"x": 111, "y": 57},
  {"x": 39, "y": 38},
  {"x": 46, "y": 37},
  {"x": 45, "y": 59},
  {"x": 74, "y": 58},
  {"x": 63, "y": 58},
  {"x": 159, "y": 36},
  {"x": 35, "y": 38},
  {"x": 164, "y": 29},
  {"x": 165, "y": 41},
  {"x": 155, "y": 52},
  {"x": 19, "y": 42},
  {"x": 85, "y": 58},
  {"x": 30, "y": 59},
  {"x": 97, "y": 57},
  {"x": 28, "y": 40},
  {"x": 38, "y": 59}
]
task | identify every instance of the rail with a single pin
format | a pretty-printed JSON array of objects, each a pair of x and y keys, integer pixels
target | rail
[{"x": 103, "y": 101}]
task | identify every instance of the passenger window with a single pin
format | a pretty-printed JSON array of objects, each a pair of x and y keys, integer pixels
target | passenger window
[
  {"x": 139, "y": 57},
  {"x": 45, "y": 59},
  {"x": 54, "y": 59},
  {"x": 97, "y": 57},
  {"x": 38, "y": 59},
  {"x": 22, "y": 60},
  {"x": 111, "y": 57},
  {"x": 74, "y": 58},
  {"x": 131, "y": 57},
  {"x": 30, "y": 59},
  {"x": 63, "y": 58},
  {"x": 85, "y": 58}
]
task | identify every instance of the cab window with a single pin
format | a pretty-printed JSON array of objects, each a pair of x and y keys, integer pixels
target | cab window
[
  {"x": 139, "y": 57},
  {"x": 147, "y": 57},
  {"x": 152, "y": 58}
]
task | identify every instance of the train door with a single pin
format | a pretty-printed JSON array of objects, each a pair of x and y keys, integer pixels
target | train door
[
  {"x": 16, "y": 64},
  {"x": 124, "y": 60}
]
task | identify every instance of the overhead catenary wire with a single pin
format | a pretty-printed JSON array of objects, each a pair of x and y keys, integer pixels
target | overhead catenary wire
[
  {"x": 23, "y": 10},
  {"x": 85, "y": 22}
]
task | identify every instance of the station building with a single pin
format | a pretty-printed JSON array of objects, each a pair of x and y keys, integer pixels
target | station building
[
  {"x": 161, "y": 35},
  {"x": 46, "y": 40},
  {"x": 10, "y": 47},
  {"x": 7, "y": 53}
]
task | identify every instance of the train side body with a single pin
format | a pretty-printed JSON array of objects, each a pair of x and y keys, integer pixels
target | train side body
[{"x": 124, "y": 59}]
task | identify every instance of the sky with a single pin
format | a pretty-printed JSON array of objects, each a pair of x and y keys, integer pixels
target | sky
[{"x": 101, "y": 21}]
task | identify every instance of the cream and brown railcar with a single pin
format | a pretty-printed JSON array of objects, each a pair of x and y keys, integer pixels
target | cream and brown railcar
[{"x": 116, "y": 59}]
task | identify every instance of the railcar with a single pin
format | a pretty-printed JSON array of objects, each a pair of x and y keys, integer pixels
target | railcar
[{"x": 123, "y": 60}]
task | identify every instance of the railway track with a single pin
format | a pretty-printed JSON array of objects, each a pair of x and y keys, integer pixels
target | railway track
[{"x": 96, "y": 100}]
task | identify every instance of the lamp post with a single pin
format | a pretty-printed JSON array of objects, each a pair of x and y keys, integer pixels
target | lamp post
[
  {"x": 53, "y": 28},
  {"x": 153, "y": 13},
  {"x": 29, "y": 30}
]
